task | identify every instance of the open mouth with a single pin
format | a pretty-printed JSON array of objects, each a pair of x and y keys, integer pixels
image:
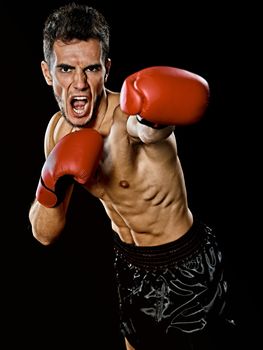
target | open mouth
[{"x": 79, "y": 105}]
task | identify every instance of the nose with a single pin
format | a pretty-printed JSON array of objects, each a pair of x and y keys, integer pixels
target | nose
[{"x": 80, "y": 81}]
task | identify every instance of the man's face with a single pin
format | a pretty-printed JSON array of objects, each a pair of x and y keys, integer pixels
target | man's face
[{"x": 77, "y": 74}]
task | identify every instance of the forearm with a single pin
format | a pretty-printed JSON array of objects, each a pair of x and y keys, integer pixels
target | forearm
[
  {"x": 46, "y": 223},
  {"x": 146, "y": 133}
]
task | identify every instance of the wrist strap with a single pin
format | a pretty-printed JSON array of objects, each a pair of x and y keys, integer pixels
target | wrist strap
[{"x": 148, "y": 123}]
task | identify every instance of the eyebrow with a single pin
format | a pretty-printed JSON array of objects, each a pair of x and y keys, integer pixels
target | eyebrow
[
  {"x": 64, "y": 65},
  {"x": 91, "y": 66}
]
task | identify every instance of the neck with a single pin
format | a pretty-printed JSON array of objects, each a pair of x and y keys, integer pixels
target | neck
[{"x": 100, "y": 112}]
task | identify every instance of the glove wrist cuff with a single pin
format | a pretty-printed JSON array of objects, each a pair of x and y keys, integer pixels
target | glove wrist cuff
[{"x": 149, "y": 123}]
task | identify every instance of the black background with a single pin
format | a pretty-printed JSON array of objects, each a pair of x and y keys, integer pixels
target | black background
[{"x": 64, "y": 294}]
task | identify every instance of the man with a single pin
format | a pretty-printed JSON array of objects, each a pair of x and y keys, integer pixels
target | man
[{"x": 121, "y": 147}]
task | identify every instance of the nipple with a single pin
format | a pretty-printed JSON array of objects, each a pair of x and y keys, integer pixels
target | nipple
[{"x": 124, "y": 184}]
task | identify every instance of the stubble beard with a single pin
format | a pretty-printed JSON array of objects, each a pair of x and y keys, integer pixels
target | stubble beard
[{"x": 93, "y": 117}]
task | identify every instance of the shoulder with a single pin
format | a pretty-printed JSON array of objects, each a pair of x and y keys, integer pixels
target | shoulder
[
  {"x": 113, "y": 114},
  {"x": 56, "y": 129},
  {"x": 113, "y": 108}
]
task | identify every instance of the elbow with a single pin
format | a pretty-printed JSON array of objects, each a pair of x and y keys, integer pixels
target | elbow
[
  {"x": 46, "y": 227},
  {"x": 45, "y": 233},
  {"x": 45, "y": 237}
]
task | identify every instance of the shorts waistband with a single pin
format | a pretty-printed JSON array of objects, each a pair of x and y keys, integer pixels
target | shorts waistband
[{"x": 166, "y": 254}]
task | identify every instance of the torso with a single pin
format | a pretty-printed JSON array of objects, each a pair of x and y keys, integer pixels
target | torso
[{"x": 141, "y": 186}]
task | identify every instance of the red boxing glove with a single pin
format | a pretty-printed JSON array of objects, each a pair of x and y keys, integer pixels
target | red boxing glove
[
  {"x": 165, "y": 95},
  {"x": 75, "y": 156}
]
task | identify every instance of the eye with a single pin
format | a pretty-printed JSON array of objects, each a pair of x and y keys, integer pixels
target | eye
[
  {"x": 65, "y": 68},
  {"x": 94, "y": 68}
]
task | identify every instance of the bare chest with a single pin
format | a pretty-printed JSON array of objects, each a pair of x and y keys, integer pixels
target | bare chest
[{"x": 117, "y": 169}]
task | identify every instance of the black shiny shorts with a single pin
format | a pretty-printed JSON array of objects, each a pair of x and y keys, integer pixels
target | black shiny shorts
[{"x": 172, "y": 296}]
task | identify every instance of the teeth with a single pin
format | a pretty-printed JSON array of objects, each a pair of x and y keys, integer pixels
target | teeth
[
  {"x": 80, "y": 98},
  {"x": 77, "y": 111}
]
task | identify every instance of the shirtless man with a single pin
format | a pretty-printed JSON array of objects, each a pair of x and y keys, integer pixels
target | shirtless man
[{"x": 121, "y": 147}]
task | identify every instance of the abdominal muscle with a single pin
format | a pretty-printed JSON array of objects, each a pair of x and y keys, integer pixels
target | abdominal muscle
[
  {"x": 151, "y": 226},
  {"x": 145, "y": 209}
]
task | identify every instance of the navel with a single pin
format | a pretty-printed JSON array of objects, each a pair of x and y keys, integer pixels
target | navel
[{"x": 124, "y": 184}]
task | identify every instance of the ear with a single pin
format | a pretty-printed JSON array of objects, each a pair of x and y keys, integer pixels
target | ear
[
  {"x": 107, "y": 65},
  {"x": 46, "y": 72}
]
